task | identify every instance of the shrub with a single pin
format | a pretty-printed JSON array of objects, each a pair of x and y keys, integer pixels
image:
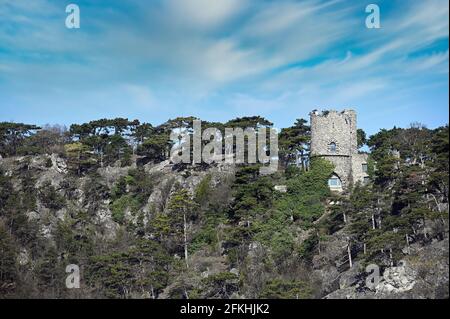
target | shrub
[
  {"x": 283, "y": 289},
  {"x": 50, "y": 197}
]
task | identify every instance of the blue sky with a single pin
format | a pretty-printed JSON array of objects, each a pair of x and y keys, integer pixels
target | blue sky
[{"x": 155, "y": 60}]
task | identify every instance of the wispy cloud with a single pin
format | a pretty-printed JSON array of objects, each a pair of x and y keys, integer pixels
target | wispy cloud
[{"x": 227, "y": 57}]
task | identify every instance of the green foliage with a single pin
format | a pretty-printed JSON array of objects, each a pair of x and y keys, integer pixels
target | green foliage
[
  {"x": 292, "y": 171},
  {"x": 161, "y": 226},
  {"x": 8, "y": 270},
  {"x": 281, "y": 244},
  {"x": 439, "y": 180},
  {"x": 28, "y": 192},
  {"x": 6, "y": 190},
  {"x": 95, "y": 191},
  {"x": 118, "y": 208},
  {"x": 119, "y": 189},
  {"x": 130, "y": 192},
  {"x": 48, "y": 140},
  {"x": 143, "y": 266},
  {"x": 114, "y": 273},
  {"x": 49, "y": 197},
  {"x": 270, "y": 219},
  {"x": 284, "y": 289},
  {"x": 294, "y": 143},
  {"x": 308, "y": 247},
  {"x": 252, "y": 193},
  {"x": 249, "y": 121},
  {"x": 221, "y": 285},
  {"x": 206, "y": 236},
  {"x": 50, "y": 272},
  {"x": 307, "y": 192},
  {"x": 155, "y": 147},
  {"x": 120, "y": 205},
  {"x": 224, "y": 217},
  {"x": 117, "y": 148},
  {"x": 72, "y": 242},
  {"x": 181, "y": 203},
  {"x": 140, "y": 183},
  {"x": 12, "y": 136},
  {"x": 102, "y": 142},
  {"x": 361, "y": 138},
  {"x": 79, "y": 159},
  {"x": 203, "y": 190},
  {"x": 181, "y": 207},
  {"x": 14, "y": 205}
]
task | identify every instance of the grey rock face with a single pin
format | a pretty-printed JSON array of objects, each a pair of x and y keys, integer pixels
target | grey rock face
[
  {"x": 397, "y": 280},
  {"x": 422, "y": 275},
  {"x": 59, "y": 164}
]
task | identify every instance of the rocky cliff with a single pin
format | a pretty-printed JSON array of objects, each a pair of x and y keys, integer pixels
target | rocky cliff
[{"x": 107, "y": 222}]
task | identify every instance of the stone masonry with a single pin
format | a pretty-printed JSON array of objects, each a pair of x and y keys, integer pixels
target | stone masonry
[{"x": 334, "y": 137}]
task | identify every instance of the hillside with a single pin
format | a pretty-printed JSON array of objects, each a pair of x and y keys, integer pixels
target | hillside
[{"x": 105, "y": 197}]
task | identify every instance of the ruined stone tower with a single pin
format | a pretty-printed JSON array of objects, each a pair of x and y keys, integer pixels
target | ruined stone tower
[{"x": 334, "y": 137}]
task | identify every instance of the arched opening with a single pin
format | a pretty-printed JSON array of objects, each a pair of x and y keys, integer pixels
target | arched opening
[
  {"x": 334, "y": 181},
  {"x": 332, "y": 147}
]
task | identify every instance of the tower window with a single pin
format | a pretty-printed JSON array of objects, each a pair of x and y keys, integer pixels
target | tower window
[
  {"x": 364, "y": 168},
  {"x": 334, "y": 181},
  {"x": 332, "y": 147}
]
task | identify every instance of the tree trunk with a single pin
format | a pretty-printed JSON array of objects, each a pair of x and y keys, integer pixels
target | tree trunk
[
  {"x": 11, "y": 224},
  {"x": 438, "y": 207},
  {"x": 407, "y": 244},
  {"x": 153, "y": 292},
  {"x": 79, "y": 164},
  {"x": 390, "y": 257},
  {"x": 185, "y": 241},
  {"x": 318, "y": 236},
  {"x": 349, "y": 252}
]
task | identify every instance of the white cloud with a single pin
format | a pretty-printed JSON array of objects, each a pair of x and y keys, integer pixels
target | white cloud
[
  {"x": 430, "y": 18},
  {"x": 204, "y": 13},
  {"x": 197, "y": 48},
  {"x": 139, "y": 95},
  {"x": 436, "y": 61}
]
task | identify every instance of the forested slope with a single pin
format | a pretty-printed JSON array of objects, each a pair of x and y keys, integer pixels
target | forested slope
[{"x": 103, "y": 195}]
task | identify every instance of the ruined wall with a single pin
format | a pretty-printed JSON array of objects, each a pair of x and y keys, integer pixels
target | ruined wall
[
  {"x": 334, "y": 137},
  {"x": 358, "y": 160},
  {"x": 343, "y": 168},
  {"x": 333, "y": 127}
]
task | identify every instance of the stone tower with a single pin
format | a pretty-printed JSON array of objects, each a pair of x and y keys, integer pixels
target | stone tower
[{"x": 334, "y": 137}]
